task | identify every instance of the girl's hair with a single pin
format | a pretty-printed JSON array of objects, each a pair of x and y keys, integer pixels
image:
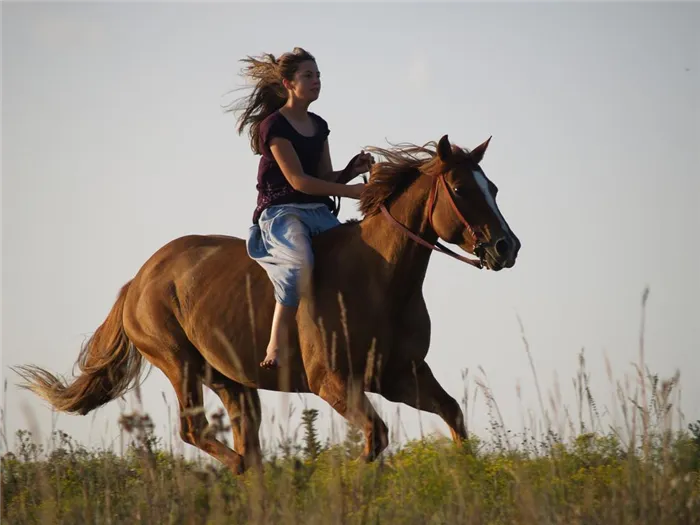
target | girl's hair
[{"x": 269, "y": 94}]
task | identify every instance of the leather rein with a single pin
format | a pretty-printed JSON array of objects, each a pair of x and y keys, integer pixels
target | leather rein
[{"x": 438, "y": 247}]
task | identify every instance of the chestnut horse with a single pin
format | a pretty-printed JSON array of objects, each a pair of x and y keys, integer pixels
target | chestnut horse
[{"x": 200, "y": 310}]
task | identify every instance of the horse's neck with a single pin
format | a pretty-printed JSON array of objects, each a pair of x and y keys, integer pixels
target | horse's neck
[{"x": 407, "y": 261}]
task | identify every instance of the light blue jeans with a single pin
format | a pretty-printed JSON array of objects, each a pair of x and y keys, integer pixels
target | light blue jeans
[{"x": 281, "y": 244}]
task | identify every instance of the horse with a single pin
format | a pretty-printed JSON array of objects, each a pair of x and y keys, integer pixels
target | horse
[{"x": 200, "y": 310}]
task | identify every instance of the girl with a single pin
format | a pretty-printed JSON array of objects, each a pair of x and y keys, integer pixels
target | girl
[{"x": 295, "y": 179}]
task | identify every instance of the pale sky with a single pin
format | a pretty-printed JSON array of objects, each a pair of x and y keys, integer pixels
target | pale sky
[{"x": 115, "y": 142}]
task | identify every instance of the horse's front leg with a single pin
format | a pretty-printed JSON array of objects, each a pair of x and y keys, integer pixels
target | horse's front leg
[
  {"x": 417, "y": 387},
  {"x": 408, "y": 379}
]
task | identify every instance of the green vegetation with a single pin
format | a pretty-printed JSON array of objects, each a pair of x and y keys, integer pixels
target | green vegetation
[
  {"x": 593, "y": 478},
  {"x": 642, "y": 470}
]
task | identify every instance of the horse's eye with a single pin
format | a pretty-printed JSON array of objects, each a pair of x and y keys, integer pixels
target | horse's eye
[{"x": 458, "y": 190}]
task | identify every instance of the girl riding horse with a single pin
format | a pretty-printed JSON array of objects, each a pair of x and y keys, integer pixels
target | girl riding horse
[{"x": 295, "y": 179}]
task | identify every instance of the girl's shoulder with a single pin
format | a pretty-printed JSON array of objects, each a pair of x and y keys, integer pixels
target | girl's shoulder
[
  {"x": 275, "y": 125},
  {"x": 322, "y": 128},
  {"x": 272, "y": 119},
  {"x": 318, "y": 118}
]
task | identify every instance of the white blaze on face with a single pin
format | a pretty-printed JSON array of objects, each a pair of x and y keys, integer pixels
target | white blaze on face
[{"x": 484, "y": 185}]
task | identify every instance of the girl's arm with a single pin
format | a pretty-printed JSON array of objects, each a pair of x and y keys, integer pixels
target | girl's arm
[
  {"x": 288, "y": 161},
  {"x": 325, "y": 167},
  {"x": 326, "y": 172}
]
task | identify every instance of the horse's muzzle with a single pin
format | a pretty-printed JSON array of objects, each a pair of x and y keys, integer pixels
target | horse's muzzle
[{"x": 499, "y": 254}]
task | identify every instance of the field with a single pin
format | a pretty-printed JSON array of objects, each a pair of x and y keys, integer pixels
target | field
[
  {"x": 577, "y": 469},
  {"x": 650, "y": 477}
]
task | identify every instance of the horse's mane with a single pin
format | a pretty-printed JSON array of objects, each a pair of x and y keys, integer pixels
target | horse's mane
[{"x": 404, "y": 162}]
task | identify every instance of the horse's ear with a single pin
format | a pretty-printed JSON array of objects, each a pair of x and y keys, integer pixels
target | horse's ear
[
  {"x": 477, "y": 153},
  {"x": 444, "y": 149}
]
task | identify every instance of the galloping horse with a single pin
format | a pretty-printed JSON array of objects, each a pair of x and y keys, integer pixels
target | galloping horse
[{"x": 200, "y": 310}]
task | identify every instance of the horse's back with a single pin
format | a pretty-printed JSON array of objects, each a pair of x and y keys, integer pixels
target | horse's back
[
  {"x": 198, "y": 263},
  {"x": 191, "y": 248},
  {"x": 192, "y": 271}
]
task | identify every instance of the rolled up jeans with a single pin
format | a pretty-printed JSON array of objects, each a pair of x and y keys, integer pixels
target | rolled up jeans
[{"x": 281, "y": 244}]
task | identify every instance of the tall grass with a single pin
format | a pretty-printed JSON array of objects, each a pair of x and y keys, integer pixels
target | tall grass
[{"x": 642, "y": 468}]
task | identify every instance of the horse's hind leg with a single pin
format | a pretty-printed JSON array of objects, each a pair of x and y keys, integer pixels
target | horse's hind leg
[
  {"x": 244, "y": 412},
  {"x": 350, "y": 401},
  {"x": 183, "y": 365}
]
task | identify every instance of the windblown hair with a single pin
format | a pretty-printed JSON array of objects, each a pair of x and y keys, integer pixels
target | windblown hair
[
  {"x": 268, "y": 93},
  {"x": 403, "y": 164}
]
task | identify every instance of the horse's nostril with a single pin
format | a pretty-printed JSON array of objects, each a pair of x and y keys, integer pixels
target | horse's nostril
[{"x": 502, "y": 247}]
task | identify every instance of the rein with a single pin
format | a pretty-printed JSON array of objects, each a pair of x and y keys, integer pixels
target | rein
[{"x": 438, "y": 247}]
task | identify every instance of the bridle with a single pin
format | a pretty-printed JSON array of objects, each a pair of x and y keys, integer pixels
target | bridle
[
  {"x": 479, "y": 247},
  {"x": 479, "y": 244}
]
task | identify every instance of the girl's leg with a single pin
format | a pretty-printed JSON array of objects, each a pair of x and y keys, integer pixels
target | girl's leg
[
  {"x": 282, "y": 320},
  {"x": 288, "y": 252},
  {"x": 285, "y": 242}
]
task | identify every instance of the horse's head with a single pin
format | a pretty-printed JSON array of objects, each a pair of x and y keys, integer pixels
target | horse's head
[{"x": 464, "y": 210}]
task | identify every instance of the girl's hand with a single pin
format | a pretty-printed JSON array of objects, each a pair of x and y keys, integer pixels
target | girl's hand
[{"x": 363, "y": 163}]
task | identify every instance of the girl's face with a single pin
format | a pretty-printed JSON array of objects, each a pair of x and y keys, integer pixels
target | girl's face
[{"x": 306, "y": 85}]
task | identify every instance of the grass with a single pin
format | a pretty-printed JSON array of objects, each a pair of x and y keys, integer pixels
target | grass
[
  {"x": 592, "y": 478},
  {"x": 644, "y": 469}
]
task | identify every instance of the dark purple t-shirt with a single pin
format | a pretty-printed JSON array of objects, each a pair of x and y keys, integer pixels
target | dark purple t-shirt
[{"x": 273, "y": 187}]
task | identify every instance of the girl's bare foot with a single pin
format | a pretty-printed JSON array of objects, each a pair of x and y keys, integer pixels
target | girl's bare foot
[
  {"x": 282, "y": 319},
  {"x": 270, "y": 361}
]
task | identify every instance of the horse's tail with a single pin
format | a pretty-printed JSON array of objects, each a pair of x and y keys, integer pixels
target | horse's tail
[{"x": 108, "y": 362}]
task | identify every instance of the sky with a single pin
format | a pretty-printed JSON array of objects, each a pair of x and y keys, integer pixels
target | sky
[{"x": 114, "y": 141}]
